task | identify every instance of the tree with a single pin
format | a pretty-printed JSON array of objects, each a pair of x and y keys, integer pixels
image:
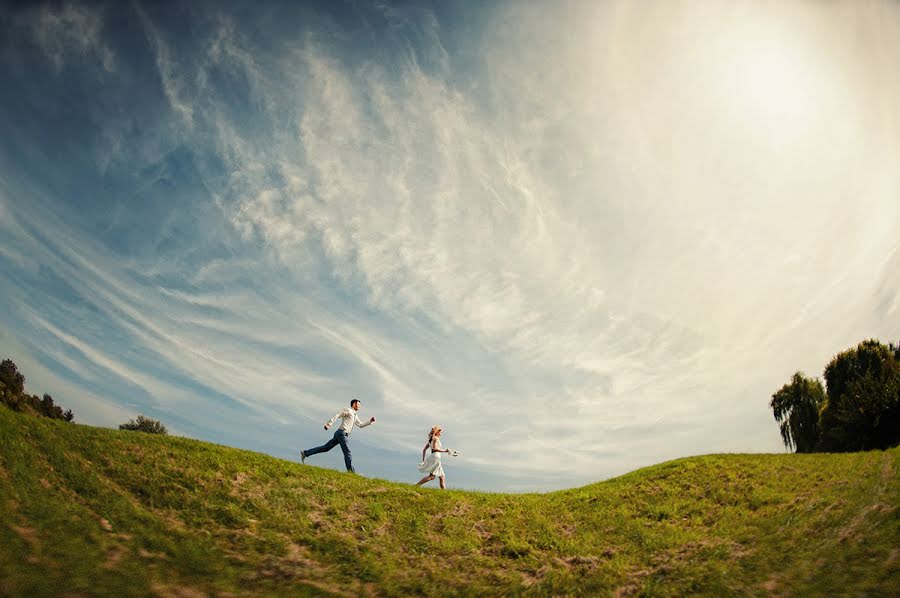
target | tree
[
  {"x": 862, "y": 410},
  {"x": 144, "y": 424},
  {"x": 13, "y": 395},
  {"x": 50, "y": 409},
  {"x": 796, "y": 407},
  {"x": 12, "y": 383}
]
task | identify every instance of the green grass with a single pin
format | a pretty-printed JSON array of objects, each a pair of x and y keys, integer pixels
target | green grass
[{"x": 94, "y": 512}]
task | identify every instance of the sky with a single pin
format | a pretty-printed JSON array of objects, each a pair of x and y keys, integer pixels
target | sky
[{"x": 583, "y": 237}]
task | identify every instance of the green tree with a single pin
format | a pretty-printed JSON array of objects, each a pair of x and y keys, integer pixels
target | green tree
[
  {"x": 12, "y": 383},
  {"x": 13, "y": 395},
  {"x": 35, "y": 404},
  {"x": 862, "y": 410},
  {"x": 796, "y": 408},
  {"x": 50, "y": 409},
  {"x": 144, "y": 424}
]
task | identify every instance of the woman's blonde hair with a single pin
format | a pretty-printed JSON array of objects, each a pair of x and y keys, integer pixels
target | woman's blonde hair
[{"x": 434, "y": 430}]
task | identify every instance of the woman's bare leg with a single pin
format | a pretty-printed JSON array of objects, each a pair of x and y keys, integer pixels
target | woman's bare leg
[
  {"x": 443, "y": 483},
  {"x": 427, "y": 478}
]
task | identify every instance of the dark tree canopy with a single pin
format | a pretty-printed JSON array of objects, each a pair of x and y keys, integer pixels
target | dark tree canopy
[
  {"x": 862, "y": 410},
  {"x": 13, "y": 382},
  {"x": 13, "y": 395},
  {"x": 796, "y": 407},
  {"x": 858, "y": 410}
]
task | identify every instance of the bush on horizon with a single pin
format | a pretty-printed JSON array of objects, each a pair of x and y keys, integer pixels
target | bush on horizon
[
  {"x": 857, "y": 410},
  {"x": 144, "y": 424}
]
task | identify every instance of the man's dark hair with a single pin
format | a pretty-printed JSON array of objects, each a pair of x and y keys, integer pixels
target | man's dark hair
[{"x": 353, "y": 401}]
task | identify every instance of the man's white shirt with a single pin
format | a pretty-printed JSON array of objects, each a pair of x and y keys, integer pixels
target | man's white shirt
[{"x": 348, "y": 417}]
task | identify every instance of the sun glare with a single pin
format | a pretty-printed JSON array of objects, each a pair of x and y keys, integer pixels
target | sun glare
[
  {"x": 772, "y": 81},
  {"x": 769, "y": 78}
]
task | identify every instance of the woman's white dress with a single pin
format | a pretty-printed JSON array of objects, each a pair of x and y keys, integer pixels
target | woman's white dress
[{"x": 432, "y": 463}]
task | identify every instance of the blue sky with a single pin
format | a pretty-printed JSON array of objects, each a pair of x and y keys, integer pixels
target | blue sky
[{"x": 583, "y": 237}]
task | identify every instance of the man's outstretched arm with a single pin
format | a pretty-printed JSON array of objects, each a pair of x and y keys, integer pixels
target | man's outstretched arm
[
  {"x": 362, "y": 424},
  {"x": 334, "y": 418}
]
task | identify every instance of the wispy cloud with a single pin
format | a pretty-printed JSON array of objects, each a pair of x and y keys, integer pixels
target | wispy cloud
[{"x": 69, "y": 32}]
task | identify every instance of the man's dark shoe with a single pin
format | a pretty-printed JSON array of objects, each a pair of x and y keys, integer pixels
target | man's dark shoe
[{"x": 303, "y": 456}]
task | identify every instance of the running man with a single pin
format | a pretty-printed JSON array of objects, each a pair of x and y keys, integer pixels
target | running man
[{"x": 349, "y": 418}]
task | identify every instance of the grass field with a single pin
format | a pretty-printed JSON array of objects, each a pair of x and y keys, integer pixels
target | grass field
[{"x": 97, "y": 512}]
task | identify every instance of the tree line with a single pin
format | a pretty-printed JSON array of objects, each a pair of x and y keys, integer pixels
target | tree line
[
  {"x": 857, "y": 409},
  {"x": 13, "y": 395}
]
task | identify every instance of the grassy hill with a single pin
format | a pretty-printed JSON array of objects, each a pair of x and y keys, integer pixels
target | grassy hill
[{"x": 92, "y": 511}]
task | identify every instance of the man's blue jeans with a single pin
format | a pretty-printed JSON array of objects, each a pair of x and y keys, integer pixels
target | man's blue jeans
[{"x": 340, "y": 438}]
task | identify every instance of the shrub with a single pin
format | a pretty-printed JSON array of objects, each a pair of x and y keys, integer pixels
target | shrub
[{"x": 144, "y": 424}]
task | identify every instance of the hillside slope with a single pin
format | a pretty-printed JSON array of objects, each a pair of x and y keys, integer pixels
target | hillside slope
[{"x": 93, "y": 511}]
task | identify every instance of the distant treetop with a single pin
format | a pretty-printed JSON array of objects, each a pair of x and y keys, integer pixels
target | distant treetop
[{"x": 144, "y": 424}]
